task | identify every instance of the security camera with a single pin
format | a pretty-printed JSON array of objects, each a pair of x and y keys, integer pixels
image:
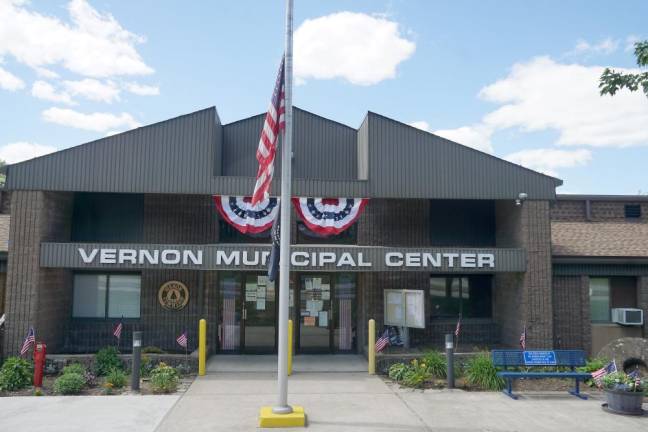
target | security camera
[{"x": 521, "y": 197}]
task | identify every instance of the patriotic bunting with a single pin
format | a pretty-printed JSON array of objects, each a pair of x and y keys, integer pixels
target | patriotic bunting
[
  {"x": 246, "y": 218},
  {"x": 329, "y": 216}
]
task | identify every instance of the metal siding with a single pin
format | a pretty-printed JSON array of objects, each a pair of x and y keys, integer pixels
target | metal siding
[
  {"x": 178, "y": 155},
  {"x": 363, "y": 150},
  {"x": 65, "y": 255}
]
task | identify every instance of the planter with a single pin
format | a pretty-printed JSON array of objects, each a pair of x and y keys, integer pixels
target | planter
[{"x": 624, "y": 402}]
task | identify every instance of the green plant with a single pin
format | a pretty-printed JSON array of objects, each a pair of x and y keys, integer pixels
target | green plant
[
  {"x": 116, "y": 377},
  {"x": 69, "y": 383},
  {"x": 416, "y": 375},
  {"x": 397, "y": 371},
  {"x": 15, "y": 374},
  {"x": 481, "y": 372},
  {"x": 164, "y": 379},
  {"x": 146, "y": 366},
  {"x": 153, "y": 350},
  {"x": 436, "y": 363},
  {"x": 592, "y": 365},
  {"x": 74, "y": 368},
  {"x": 38, "y": 391},
  {"x": 107, "y": 359},
  {"x": 622, "y": 381}
]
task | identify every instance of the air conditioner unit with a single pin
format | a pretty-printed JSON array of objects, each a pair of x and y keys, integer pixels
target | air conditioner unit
[{"x": 627, "y": 316}]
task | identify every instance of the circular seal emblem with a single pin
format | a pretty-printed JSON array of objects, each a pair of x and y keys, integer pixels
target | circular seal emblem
[{"x": 173, "y": 295}]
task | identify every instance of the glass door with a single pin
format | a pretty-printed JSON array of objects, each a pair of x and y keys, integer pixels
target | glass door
[
  {"x": 259, "y": 314},
  {"x": 315, "y": 314}
]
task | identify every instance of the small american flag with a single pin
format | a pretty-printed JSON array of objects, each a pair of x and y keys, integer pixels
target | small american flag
[
  {"x": 117, "y": 331},
  {"x": 523, "y": 338},
  {"x": 273, "y": 124},
  {"x": 458, "y": 328},
  {"x": 598, "y": 375},
  {"x": 182, "y": 339},
  {"x": 382, "y": 341},
  {"x": 29, "y": 341}
]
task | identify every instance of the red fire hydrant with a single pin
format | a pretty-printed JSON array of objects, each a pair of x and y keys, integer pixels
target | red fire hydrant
[{"x": 40, "y": 351}]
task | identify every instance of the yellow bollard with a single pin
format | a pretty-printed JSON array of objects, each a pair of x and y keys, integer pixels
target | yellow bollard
[
  {"x": 202, "y": 346},
  {"x": 290, "y": 346},
  {"x": 371, "y": 348}
]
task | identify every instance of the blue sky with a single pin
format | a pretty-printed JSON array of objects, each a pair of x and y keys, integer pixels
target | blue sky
[{"x": 517, "y": 79}]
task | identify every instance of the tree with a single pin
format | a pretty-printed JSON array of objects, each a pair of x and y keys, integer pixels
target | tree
[{"x": 612, "y": 81}]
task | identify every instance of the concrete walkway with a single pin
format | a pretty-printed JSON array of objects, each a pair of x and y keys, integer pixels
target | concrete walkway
[
  {"x": 301, "y": 363},
  {"x": 83, "y": 413}
]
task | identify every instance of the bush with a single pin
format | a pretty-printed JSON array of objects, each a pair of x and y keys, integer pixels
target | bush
[
  {"x": 481, "y": 372},
  {"x": 74, "y": 368},
  {"x": 164, "y": 379},
  {"x": 69, "y": 383},
  {"x": 146, "y": 366},
  {"x": 106, "y": 360},
  {"x": 116, "y": 378},
  {"x": 436, "y": 363},
  {"x": 416, "y": 375},
  {"x": 16, "y": 374},
  {"x": 153, "y": 350},
  {"x": 397, "y": 371}
]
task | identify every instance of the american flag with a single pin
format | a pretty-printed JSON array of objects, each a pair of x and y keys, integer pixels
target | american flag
[
  {"x": 273, "y": 124},
  {"x": 523, "y": 338},
  {"x": 117, "y": 331},
  {"x": 29, "y": 341},
  {"x": 182, "y": 339},
  {"x": 382, "y": 341},
  {"x": 598, "y": 375},
  {"x": 458, "y": 328}
]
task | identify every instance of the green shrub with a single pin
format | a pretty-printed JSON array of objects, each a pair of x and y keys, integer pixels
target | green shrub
[
  {"x": 146, "y": 366},
  {"x": 15, "y": 374},
  {"x": 164, "y": 379},
  {"x": 106, "y": 360},
  {"x": 116, "y": 378},
  {"x": 397, "y": 371},
  {"x": 69, "y": 383},
  {"x": 436, "y": 363},
  {"x": 481, "y": 372},
  {"x": 416, "y": 375},
  {"x": 74, "y": 368},
  {"x": 153, "y": 350},
  {"x": 592, "y": 365}
]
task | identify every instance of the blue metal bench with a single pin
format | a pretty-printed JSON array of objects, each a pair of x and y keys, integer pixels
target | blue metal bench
[{"x": 533, "y": 359}]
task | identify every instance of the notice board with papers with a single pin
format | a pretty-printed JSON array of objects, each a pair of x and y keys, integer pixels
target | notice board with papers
[{"x": 405, "y": 308}]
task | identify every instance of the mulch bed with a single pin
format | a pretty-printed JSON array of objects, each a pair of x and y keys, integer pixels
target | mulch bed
[{"x": 546, "y": 384}]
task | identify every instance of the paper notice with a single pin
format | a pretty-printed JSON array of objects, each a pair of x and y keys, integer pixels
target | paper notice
[{"x": 323, "y": 318}]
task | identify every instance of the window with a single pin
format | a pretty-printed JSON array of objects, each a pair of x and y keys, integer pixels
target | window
[
  {"x": 306, "y": 236},
  {"x": 468, "y": 296},
  {"x": 632, "y": 211},
  {"x": 611, "y": 292},
  {"x": 106, "y": 295},
  {"x": 107, "y": 217},
  {"x": 229, "y": 234}
]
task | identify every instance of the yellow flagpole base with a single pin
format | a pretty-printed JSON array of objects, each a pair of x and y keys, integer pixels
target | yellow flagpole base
[{"x": 268, "y": 419}]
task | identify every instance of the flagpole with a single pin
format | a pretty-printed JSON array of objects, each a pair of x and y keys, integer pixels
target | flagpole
[{"x": 282, "y": 406}]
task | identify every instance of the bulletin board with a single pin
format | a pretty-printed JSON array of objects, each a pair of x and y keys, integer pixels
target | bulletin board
[{"x": 405, "y": 308}]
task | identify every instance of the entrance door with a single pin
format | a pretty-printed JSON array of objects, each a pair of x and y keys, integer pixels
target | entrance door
[
  {"x": 259, "y": 314},
  {"x": 327, "y": 313}
]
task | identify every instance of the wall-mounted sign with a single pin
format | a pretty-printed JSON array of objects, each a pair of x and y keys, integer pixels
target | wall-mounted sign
[
  {"x": 173, "y": 295},
  {"x": 303, "y": 257}
]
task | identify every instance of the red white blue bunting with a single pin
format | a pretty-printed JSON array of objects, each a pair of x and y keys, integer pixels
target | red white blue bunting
[
  {"x": 241, "y": 214},
  {"x": 329, "y": 216}
]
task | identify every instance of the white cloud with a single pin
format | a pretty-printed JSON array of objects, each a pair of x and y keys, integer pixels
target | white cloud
[
  {"x": 98, "y": 121},
  {"x": 46, "y": 91},
  {"x": 9, "y": 81},
  {"x": 93, "y": 89},
  {"x": 630, "y": 42},
  {"x": 46, "y": 73},
  {"x": 542, "y": 95},
  {"x": 357, "y": 47},
  {"x": 421, "y": 124},
  {"x": 476, "y": 136},
  {"x": 142, "y": 89},
  {"x": 91, "y": 44},
  {"x": 606, "y": 46},
  {"x": 20, "y": 151},
  {"x": 548, "y": 160}
]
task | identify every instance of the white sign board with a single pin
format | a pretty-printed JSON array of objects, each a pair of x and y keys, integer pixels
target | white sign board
[{"x": 405, "y": 308}]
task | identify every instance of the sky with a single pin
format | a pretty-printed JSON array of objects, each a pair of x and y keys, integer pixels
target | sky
[{"x": 515, "y": 79}]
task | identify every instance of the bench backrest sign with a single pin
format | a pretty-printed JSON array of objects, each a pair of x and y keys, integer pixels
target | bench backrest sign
[{"x": 539, "y": 358}]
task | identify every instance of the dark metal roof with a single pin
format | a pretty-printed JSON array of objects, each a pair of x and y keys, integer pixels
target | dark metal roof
[
  {"x": 195, "y": 154},
  {"x": 624, "y": 198}
]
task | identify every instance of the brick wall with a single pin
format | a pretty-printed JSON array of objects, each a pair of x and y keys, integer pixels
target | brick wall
[
  {"x": 572, "y": 327},
  {"x": 642, "y": 300},
  {"x": 36, "y": 297},
  {"x": 525, "y": 299},
  {"x": 575, "y": 211}
]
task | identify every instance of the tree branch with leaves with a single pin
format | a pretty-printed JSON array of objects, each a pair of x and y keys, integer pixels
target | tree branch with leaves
[{"x": 612, "y": 81}]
